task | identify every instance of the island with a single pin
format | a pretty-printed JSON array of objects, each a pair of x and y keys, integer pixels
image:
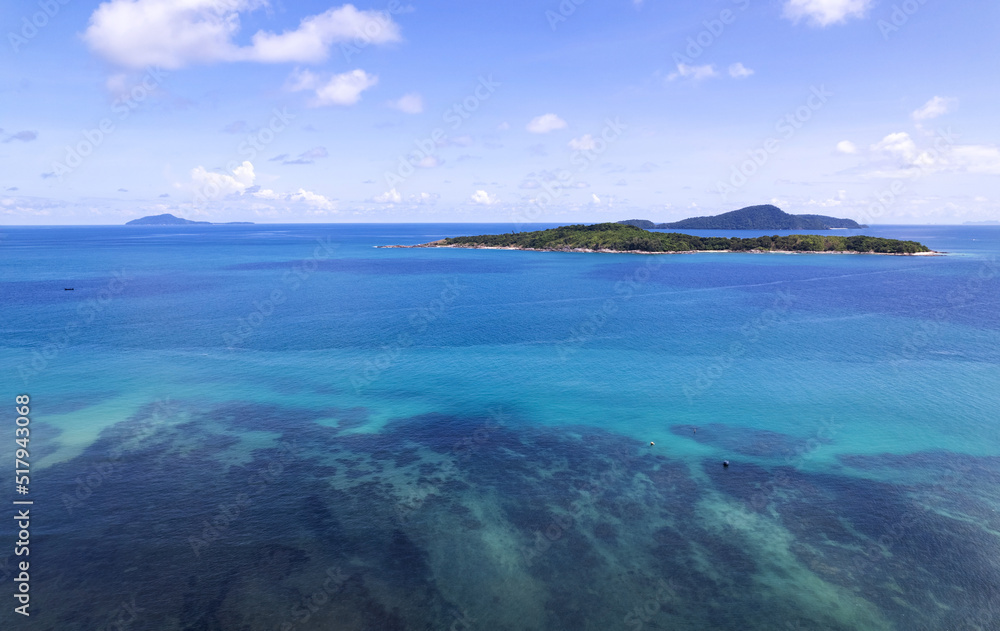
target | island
[
  {"x": 763, "y": 217},
  {"x": 166, "y": 219},
  {"x": 622, "y": 238}
]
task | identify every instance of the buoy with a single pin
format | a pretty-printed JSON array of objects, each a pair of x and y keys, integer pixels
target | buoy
[
  {"x": 651, "y": 443},
  {"x": 725, "y": 463}
]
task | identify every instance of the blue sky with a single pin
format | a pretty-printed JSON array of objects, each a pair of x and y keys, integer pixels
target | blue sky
[{"x": 579, "y": 111}]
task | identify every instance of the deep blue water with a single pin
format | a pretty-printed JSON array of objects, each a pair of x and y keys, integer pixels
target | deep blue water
[{"x": 284, "y": 427}]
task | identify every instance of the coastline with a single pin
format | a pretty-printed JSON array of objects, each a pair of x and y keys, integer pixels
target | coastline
[{"x": 440, "y": 244}]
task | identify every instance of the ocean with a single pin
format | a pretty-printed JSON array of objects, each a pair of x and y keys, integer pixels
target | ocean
[{"x": 284, "y": 427}]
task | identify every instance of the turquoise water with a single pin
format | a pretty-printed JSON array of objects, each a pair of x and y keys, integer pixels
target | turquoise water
[{"x": 285, "y": 427}]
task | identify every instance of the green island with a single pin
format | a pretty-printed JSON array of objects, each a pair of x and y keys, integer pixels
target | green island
[{"x": 614, "y": 237}]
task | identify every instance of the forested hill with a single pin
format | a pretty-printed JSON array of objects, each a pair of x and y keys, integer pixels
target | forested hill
[
  {"x": 618, "y": 237},
  {"x": 764, "y": 217}
]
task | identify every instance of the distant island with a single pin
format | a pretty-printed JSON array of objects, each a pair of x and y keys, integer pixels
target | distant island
[
  {"x": 617, "y": 237},
  {"x": 167, "y": 219},
  {"x": 764, "y": 217}
]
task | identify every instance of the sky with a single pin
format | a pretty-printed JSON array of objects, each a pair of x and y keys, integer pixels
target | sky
[{"x": 555, "y": 111}]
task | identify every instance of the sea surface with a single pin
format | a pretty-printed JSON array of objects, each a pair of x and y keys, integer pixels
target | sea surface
[{"x": 284, "y": 427}]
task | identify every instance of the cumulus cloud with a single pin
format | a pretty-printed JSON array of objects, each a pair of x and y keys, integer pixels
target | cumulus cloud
[
  {"x": 583, "y": 143},
  {"x": 423, "y": 198},
  {"x": 825, "y": 12},
  {"x": 312, "y": 199},
  {"x": 241, "y": 178},
  {"x": 340, "y": 89},
  {"x": 938, "y": 106},
  {"x": 411, "y": 103},
  {"x": 545, "y": 123},
  {"x": 264, "y": 193},
  {"x": 695, "y": 73},
  {"x": 484, "y": 198},
  {"x": 846, "y": 146},
  {"x": 171, "y": 34},
  {"x": 391, "y": 196},
  {"x": 907, "y": 159},
  {"x": 739, "y": 71}
]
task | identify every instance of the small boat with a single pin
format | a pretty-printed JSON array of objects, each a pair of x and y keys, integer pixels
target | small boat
[{"x": 68, "y": 288}]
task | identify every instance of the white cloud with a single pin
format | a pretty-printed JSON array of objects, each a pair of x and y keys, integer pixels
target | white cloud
[
  {"x": 739, "y": 71},
  {"x": 482, "y": 197},
  {"x": 909, "y": 160},
  {"x": 266, "y": 193},
  {"x": 825, "y": 12},
  {"x": 117, "y": 84},
  {"x": 830, "y": 203},
  {"x": 429, "y": 162},
  {"x": 241, "y": 179},
  {"x": 545, "y": 123},
  {"x": 313, "y": 199},
  {"x": 696, "y": 73},
  {"x": 411, "y": 103},
  {"x": 423, "y": 198},
  {"x": 899, "y": 146},
  {"x": 934, "y": 108},
  {"x": 341, "y": 89},
  {"x": 976, "y": 159},
  {"x": 583, "y": 143},
  {"x": 391, "y": 196},
  {"x": 173, "y": 34},
  {"x": 846, "y": 146}
]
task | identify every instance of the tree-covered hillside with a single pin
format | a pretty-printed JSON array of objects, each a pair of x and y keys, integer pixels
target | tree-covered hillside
[
  {"x": 620, "y": 237},
  {"x": 763, "y": 217}
]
